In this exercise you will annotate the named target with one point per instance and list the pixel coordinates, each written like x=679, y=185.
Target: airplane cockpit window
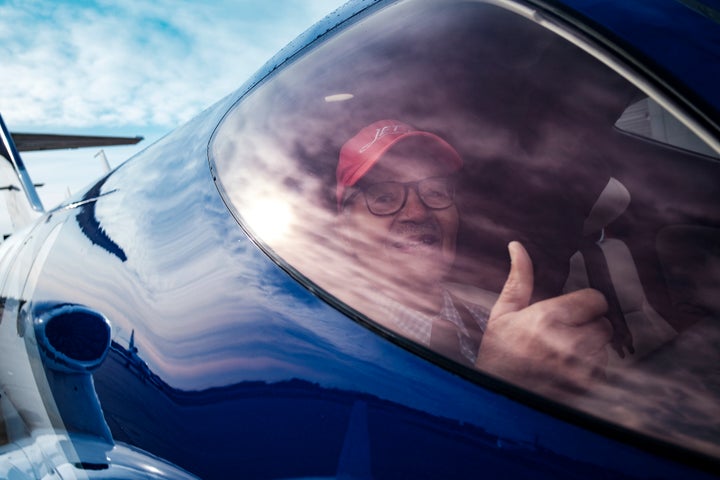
x=646, y=118
x=400, y=165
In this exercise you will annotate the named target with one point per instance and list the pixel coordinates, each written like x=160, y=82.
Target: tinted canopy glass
x=390, y=167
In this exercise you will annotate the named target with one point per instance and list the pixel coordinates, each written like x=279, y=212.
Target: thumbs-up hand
x=552, y=346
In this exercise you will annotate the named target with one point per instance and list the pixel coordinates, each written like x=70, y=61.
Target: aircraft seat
x=607, y=264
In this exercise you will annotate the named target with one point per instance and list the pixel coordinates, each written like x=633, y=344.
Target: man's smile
x=410, y=237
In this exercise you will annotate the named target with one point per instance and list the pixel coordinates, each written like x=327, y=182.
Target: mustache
x=415, y=228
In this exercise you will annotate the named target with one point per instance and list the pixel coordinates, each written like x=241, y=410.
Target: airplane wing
x=27, y=142
x=21, y=200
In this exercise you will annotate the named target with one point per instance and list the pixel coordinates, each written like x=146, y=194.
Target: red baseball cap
x=359, y=154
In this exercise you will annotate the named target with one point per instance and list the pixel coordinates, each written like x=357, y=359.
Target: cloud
x=137, y=63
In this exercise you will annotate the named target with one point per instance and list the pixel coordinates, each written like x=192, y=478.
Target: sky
x=112, y=67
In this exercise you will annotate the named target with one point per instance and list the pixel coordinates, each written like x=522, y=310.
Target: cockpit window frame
x=604, y=49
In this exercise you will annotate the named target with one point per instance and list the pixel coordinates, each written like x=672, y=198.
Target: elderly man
x=395, y=194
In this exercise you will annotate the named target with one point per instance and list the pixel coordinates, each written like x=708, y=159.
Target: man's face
x=416, y=245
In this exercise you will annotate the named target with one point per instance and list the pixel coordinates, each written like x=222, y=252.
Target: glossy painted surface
x=238, y=366
x=223, y=364
x=677, y=39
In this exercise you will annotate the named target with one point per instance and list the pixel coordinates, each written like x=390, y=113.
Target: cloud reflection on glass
x=535, y=129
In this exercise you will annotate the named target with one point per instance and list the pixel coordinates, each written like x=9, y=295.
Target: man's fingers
x=518, y=287
x=582, y=340
x=575, y=308
x=598, y=334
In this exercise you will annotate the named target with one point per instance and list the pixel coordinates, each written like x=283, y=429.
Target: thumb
x=518, y=287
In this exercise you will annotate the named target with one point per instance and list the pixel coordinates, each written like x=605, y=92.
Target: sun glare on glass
x=269, y=218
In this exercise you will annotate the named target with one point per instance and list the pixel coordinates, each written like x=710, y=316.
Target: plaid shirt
x=417, y=326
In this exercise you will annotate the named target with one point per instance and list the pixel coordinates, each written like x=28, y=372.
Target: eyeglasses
x=388, y=198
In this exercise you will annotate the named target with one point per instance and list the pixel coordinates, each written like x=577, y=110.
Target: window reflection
x=615, y=257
